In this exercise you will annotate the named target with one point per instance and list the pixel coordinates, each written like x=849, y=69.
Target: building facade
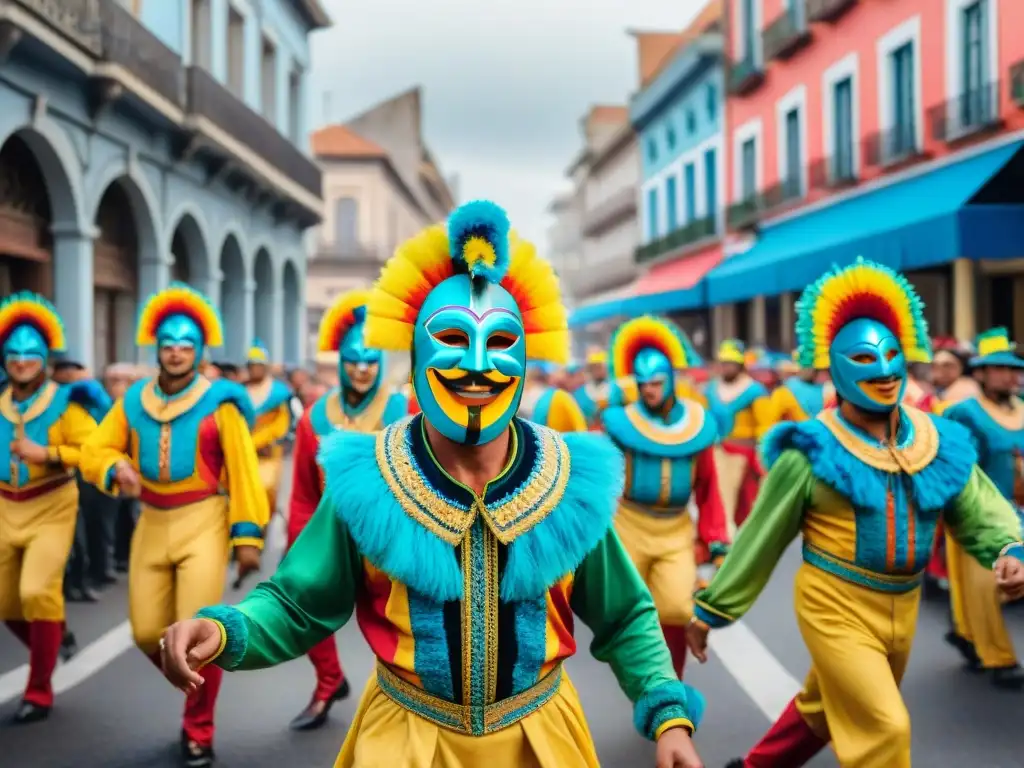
x=381, y=185
x=149, y=140
x=889, y=130
x=565, y=243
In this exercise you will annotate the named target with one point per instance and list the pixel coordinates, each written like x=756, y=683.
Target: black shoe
x=195, y=755
x=30, y=713
x=1008, y=678
x=966, y=648
x=68, y=645
x=121, y=566
x=315, y=714
x=342, y=692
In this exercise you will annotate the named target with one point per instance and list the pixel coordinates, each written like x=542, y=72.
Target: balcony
x=828, y=10
x=745, y=76
x=895, y=146
x=786, y=35
x=973, y=111
x=616, y=209
x=76, y=21
x=743, y=214
x=1016, y=77
x=746, y=213
x=208, y=100
x=139, y=53
x=836, y=172
x=684, y=236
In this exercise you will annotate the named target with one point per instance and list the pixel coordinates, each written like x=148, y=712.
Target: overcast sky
x=504, y=81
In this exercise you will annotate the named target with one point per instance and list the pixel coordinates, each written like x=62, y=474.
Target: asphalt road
x=114, y=711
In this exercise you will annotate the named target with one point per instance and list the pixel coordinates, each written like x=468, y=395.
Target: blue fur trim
x=483, y=219
x=558, y=543
x=90, y=395
x=236, y=626
x=668, y=701
x=620, y=429
x=385, y=535
x=932, y=487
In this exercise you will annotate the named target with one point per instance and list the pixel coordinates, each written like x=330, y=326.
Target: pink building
x=885, y=128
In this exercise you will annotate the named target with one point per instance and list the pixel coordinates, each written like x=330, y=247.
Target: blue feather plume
x=478, y=240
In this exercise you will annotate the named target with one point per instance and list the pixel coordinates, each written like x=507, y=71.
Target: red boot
x=789, y=743
x=44, y=639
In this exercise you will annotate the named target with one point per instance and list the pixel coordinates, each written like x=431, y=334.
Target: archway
x=190, y=259
x=232, y=300
x=292, y=315
x=115, y=277
x=26, y=246
x=265, y=313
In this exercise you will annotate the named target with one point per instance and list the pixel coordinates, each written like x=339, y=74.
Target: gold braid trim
x=889, y=457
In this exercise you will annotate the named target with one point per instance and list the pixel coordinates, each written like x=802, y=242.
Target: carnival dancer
x=741, y=409
x=359, y=404
x=42, y=427
x=463, y=538
x=547, y=405
x=593, y=396
x=995, y=419
x=271, y=400
x=799, y=397
x=865, y=484
x=182, y=445
x=667, y=442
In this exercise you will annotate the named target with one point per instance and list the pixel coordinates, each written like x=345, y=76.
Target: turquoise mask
x=25, y=343
x=868, y=367
x=181, y=331
x=469, y=357
x=354, y=351
x=649, y=366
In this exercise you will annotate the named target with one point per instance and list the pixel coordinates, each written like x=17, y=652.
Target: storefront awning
x=913, y=224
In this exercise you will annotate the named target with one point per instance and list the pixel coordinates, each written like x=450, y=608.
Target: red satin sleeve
x=306, y=483
x=711, y=522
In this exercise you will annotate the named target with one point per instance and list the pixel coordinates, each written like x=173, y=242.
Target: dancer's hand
x=676, y=750
x=247, y=559
x=127, y=480
x=697, y=639
x=1009, y=573
x=184, y=648
x=29, y=452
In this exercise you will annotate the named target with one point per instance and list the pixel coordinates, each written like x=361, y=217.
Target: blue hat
x=995, y=348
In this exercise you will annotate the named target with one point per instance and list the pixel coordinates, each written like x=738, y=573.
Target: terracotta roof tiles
x=339, y=141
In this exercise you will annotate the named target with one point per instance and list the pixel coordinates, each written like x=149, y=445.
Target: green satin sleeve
x=609, y=596
x=310, y=597
x=772, y=525
x=983, y=522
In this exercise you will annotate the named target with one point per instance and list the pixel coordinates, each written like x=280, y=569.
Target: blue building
x=144, y=141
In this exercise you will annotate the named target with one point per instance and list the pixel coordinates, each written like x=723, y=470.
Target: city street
x=114, y=711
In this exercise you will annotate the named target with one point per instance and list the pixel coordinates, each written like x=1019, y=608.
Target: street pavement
x=115, y=711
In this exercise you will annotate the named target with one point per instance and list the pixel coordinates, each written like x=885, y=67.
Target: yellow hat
x=732, y=351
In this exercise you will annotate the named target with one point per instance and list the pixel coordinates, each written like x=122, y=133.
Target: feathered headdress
x=649, y=332
x=179, y=299
x=347, y=311
x=862, y=290
x=31, y=309
x=478, y=242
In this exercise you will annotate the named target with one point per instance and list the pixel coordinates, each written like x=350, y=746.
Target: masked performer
x=995, y=419
x=359, y=404
x=742, y=411
x=667, y=443
x=799, y=397
x=865, y=483
x=182, y=445
x=463, y=538
x=42, y=427
x=592, y=397
x=547, y=405
x=271, y=400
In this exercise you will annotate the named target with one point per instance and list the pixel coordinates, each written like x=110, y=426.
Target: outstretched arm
x=983, y=522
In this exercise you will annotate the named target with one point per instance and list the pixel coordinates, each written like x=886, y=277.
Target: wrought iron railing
x=745, y=75
x=973, y=110
x=1016, y=77
x=786, y=34
x=892, y=146
x=76, y=20
x=689, y=233
x=828, y=10
x=833, y=172
x=128, y=44
x=743, y=213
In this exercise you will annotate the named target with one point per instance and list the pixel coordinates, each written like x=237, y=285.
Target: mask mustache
x=472, y=379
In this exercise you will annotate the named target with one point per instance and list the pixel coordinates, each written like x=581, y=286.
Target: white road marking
x=753, y=666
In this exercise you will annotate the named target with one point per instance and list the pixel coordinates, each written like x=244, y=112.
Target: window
x=201, y=42
x=236, y=53
x=295, y=105
x=670, y=137
x=748, y=166
x=346, y=223
x=690, y=182
x=794, y=163
x=268, y=81
x=671, y=204
x=691, y=122
x=974, y=106
x=710, y=183
x=842, y=130
x=652, y=214
x=904, y=130
x=652, y=151
x=749, y=32
x=712, y=103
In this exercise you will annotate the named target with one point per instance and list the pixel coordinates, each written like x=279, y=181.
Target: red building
x=890, y=129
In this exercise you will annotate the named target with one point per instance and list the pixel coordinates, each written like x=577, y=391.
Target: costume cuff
x=234, y=634
x=246, y=535
x=53, y=454
x=1013, y=549
x=715, y=620
x=666, y=706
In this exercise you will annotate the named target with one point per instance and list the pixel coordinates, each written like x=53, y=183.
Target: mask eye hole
x=498, y=342
x=891, y=355
x=864, y=358
x=452, y=337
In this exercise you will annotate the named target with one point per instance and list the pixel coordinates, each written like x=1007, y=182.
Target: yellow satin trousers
x=270, y=475
x=178, y=564
x=35, y=540
x=661, y=548
x=859, y=640
x=977, y=608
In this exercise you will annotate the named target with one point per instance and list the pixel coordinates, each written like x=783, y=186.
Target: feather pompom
x=478, y=238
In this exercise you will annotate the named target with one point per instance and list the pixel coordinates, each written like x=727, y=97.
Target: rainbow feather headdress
x=477, y=242
x=31, y=309
x=179, y=299
x=347, y=311
x=649, y=332
x=862, y=290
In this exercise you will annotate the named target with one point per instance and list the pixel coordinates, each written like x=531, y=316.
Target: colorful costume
x=466, y=598
x=271, y=401
x=201, y=491
x=343, y=408
x=39, y=502
x=796, y=399
x=593, y=397
x=550, y=406
x=742, y=412
x=867, y=512
x=669, y=461
x=998, y=433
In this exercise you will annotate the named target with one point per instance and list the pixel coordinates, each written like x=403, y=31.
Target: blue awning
x=683, y=300
x=913, y=224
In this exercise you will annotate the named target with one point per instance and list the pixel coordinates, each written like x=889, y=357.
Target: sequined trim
x=161, y=409
x=514, y=514
x=684, y=429
x=460, y=718
x=889, y=458
x=479, y=621
x=880, y=582
x=164, y=456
